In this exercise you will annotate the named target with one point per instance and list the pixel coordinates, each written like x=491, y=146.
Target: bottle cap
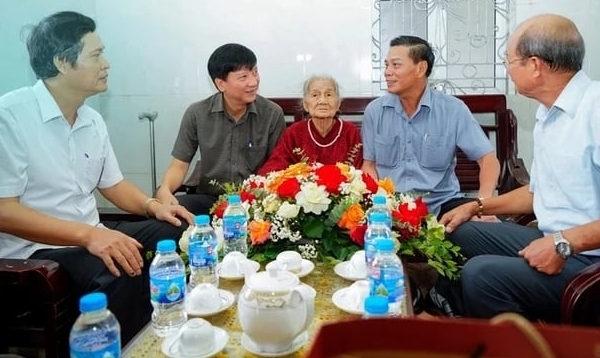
x=376, y=304
x=384, y=245
x=379, y=199
x=167, y=245
x=233, y=199
x=378, y=217
x=202, y=220
x=92, y=302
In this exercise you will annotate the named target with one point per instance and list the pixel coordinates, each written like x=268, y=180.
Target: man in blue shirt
x=412, y=133
x=512, y=268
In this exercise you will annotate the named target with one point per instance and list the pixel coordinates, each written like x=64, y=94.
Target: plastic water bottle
x=376, y=306
x=377, y=229
x=386, y=275
x=235, y=226
x=167, y=289
x=380, y=206
x=96, y=332
x=203, y=257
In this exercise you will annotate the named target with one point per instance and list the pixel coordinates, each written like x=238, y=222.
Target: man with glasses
x=512, y=268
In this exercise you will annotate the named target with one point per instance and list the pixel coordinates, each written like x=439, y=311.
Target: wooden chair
x=38, y=309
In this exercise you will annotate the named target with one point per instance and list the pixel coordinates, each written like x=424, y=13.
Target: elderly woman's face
x=322, y=101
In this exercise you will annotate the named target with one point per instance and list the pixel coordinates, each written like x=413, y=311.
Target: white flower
x=357, y=186
x=184, y=240
x=313, y=198
x=271, y=203
x=288, y=211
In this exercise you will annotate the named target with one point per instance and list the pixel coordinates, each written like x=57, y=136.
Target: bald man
x=513, y=268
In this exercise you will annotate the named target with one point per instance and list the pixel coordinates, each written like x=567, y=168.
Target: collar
x=569, y=99
x=218, y=105
x=49, y=108
x=394, y=101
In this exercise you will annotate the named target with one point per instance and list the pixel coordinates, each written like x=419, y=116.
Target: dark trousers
x=128, y=297
x=197, y=204
x=496, y=279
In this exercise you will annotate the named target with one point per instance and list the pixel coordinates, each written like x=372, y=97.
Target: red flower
x=246, y=196
x=370, y=182
x=357, y=234
x=331, y=177
x=220, y=209
x=410, y=219
x=288, y=188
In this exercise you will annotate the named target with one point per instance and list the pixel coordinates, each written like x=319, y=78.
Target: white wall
x=158, y=51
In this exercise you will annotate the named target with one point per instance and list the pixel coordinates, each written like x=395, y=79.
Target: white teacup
x=357, y=264
x=197, y=337
x=234, y=263
x=356, y=294
x=290, y=260
x=204, y=297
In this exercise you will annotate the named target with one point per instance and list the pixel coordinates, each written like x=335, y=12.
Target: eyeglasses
x=506, y=62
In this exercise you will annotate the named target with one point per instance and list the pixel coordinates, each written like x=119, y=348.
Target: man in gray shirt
x=234, y=129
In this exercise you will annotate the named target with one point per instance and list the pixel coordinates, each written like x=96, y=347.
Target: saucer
x=306, y=267
x=249, y=345
x=340, y=301
x=342, y=270
x=170, y=346
x=227, y=300
x=252, y=265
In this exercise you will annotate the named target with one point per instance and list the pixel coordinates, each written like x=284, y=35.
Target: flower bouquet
x=320, y=211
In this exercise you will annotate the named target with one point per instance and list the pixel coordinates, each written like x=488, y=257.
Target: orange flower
x=259, y=231
x=299, y=169
x=387, y=184
x=352, y=217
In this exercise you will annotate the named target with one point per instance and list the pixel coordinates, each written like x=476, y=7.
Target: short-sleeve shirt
x=49, y=165
x=419, y=153
x=230, y=151
x=565, y=173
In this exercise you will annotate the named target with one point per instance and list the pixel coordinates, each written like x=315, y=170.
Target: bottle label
x=202, y=255
x=93, y=345
x=388, y=282
x=164, y=288
x=234, y=227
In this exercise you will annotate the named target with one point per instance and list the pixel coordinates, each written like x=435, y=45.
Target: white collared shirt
x=565, y=174
x=51, y=166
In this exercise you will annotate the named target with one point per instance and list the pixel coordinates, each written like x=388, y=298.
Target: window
x=468, y=38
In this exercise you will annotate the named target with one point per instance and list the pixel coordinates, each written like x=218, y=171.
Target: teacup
x=204, y=297
x=197, y=337
x=357, y=264
x=234, y=263
x=290, y=260
x=356, y=294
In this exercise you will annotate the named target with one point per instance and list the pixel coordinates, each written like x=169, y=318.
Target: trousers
x=496, y=279
x=128, y=297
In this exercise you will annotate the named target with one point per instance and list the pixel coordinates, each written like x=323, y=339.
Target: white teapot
x=274, y=308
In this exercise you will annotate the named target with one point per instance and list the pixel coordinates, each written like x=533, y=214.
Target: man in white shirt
x=55, y=152
x=512, y=268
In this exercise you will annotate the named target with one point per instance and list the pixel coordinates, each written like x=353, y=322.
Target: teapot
x=274, y=308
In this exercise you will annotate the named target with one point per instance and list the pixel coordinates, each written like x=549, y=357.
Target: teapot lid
x=274, y=279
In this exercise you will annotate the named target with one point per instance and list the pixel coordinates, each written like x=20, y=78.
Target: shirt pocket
x=387, y=151
x=569, y=181
x=436, y=152
x=255, y=157
x=91, y=174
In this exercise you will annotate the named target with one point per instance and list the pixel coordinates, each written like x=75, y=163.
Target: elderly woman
x=323, y=137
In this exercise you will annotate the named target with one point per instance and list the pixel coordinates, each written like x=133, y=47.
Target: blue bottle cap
x=202, y=220
x=234, y=199
x=379, y=199
x=376, y=305
x=378, y=217
x=92, y=302
x=167, y=245
x=384, y=245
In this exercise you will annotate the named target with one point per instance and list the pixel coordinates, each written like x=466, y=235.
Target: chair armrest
x=581, y=295
x=45, y=275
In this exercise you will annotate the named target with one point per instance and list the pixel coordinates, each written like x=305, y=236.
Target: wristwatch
x=562, y=246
